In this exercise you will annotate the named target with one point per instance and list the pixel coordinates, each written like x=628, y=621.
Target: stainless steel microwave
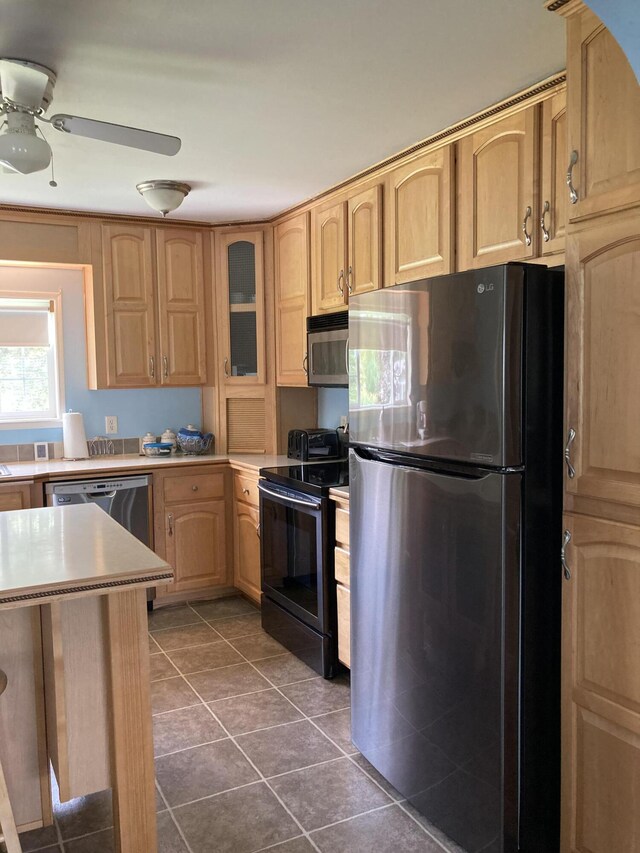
x=328, y=350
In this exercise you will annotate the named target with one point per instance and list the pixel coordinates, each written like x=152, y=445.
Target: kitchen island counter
x=73, y=593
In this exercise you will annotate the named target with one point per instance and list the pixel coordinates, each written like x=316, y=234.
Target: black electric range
x=297, y=541
x=313, y=478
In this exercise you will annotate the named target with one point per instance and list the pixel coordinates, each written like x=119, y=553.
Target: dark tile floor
x=253, y=752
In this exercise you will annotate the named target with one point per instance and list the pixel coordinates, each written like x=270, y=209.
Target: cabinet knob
x=194, y=488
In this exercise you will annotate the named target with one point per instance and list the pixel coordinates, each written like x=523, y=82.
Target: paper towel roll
x=73, y=436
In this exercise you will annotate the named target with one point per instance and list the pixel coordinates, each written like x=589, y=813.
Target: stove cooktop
x=314, y=478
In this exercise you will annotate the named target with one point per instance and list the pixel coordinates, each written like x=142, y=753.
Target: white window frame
x=58, y=359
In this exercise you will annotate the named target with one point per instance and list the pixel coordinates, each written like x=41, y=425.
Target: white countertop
x=70, y=550
x=57, y=468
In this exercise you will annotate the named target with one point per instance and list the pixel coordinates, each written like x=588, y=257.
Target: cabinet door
x=246, y=570
x=343, y=595
x=240, y=279
x=604, y=119
x=603, y=354
x=180, y=261
x=14, y=496
x=553, y=171
x=419, y=218
x=196, y=544
x=328, y=247
x=130, y=300
x=601, y=688
x=497, y=210
x=364, y=241
x=291, y=260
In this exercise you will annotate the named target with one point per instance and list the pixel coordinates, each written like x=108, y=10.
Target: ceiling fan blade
x=24, y=82
x=132, y=137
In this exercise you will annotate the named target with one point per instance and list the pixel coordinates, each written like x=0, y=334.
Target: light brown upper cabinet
x=603, y=354
x=346, y=249
x=419, y=217
x=152, y=307
x=604, y=119
x=497, y=206
x=291, y=262
x=181, y=303
x=240, y=279
x=554, y=154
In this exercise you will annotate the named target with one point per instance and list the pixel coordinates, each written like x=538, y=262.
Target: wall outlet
x=111, y=424
x=344, y=420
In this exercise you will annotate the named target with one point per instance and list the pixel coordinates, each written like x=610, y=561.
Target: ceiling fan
x=26, y=91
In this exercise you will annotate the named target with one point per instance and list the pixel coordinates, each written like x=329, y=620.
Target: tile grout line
x=171, y=814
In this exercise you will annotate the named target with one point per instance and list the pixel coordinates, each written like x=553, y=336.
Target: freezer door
x=435, y=367
x=434, y=643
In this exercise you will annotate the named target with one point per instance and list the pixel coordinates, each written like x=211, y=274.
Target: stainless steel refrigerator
x=455, y=401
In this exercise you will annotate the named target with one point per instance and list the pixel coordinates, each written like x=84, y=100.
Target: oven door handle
x=287, y=499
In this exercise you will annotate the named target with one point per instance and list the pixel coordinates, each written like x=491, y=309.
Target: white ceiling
x=275, y=100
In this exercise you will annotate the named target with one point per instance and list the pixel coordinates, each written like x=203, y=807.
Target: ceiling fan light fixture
x=163, y=196
x=21, y=149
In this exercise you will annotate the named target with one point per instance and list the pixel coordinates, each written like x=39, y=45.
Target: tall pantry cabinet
x=601, y=547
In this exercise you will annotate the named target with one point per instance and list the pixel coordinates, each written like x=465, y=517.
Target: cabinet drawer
x=342, y=527
x=342, y=566
x=344, y=624
x=246, y=489
x=193, y=487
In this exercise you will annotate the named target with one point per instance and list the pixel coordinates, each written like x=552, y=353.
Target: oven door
x=328, y=358
x=293, y=541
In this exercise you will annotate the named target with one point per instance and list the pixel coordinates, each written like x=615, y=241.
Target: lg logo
x=482, y=288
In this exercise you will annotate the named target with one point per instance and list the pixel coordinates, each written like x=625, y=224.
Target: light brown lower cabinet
x=16, y=496
x=343, y=580
x=191, y=527
x=246, y=535
x=601, y=687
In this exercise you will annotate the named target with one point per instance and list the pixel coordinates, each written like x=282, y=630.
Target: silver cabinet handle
x=545, y=232
x=226, y=367
x=194, y=488
x=563, y=556
x=527, y=236
x=571, y=471
x=573, y=195
x=258, y=530
x=165, y=365
x=152, y=367
x=340, y=280
x=305, y=363
x=350, y=279
x=245, y=491
x=170, y=520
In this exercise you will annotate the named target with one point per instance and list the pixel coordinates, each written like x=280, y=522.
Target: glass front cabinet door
x=241, y=281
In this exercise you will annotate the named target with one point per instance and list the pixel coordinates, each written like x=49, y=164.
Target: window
x=30, y=378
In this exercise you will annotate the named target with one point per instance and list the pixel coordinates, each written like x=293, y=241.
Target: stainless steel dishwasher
x=126, y=499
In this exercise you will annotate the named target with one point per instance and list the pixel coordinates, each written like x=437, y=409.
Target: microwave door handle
x=346, y=355
x=278, y=496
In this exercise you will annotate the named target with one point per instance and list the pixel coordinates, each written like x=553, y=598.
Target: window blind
x=24, y=322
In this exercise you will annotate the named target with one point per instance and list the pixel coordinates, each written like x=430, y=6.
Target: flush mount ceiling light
x=163, y=196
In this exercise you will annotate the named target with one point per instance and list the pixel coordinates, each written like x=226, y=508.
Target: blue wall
x=138, y=410
x=332, y=404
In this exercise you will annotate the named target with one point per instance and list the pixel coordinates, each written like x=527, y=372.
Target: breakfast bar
x=73, y=638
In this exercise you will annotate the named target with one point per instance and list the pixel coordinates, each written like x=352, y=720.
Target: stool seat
x=8, y=831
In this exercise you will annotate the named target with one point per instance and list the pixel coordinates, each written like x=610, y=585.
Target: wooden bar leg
x=132, y=767
x=7, y=823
